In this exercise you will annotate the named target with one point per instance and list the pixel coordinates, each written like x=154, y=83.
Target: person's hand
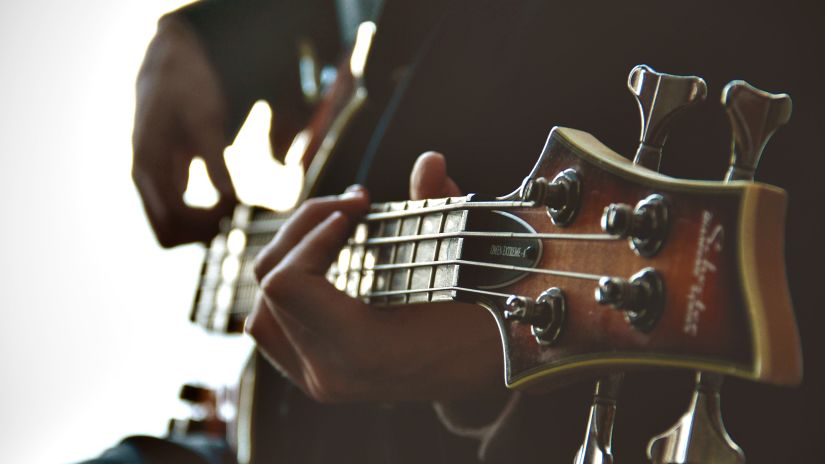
x=179, y=114
x=336, y=348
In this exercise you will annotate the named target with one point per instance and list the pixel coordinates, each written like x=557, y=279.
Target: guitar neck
x=227, y=288
x=388, y=260
x=403, y=252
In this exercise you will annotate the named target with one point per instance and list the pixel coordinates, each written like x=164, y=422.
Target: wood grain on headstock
x=727, y=304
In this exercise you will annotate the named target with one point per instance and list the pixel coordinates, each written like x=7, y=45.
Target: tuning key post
x=645, y=225
x=660, y=97
x=754, y=117
x=561, y=195
x=546, y=314
x=641, y=298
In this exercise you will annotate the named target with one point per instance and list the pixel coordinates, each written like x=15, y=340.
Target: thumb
x=429, y=178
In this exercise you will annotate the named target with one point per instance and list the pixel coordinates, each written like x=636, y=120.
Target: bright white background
x=94, y=332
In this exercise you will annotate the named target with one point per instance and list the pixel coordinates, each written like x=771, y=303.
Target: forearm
x=252, y=45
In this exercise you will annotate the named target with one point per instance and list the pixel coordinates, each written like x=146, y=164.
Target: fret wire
x=380, y=216
x=413, y=246
x=508, y=267
x=381, y=228
x=215, y=308
x=469, y=234
x=394, y=249
x=441, y=221
x=202, y=306
x=363, y=247
x=414, y=251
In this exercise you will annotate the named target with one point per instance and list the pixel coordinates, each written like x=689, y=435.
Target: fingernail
x=247, y=324
x=353, y=191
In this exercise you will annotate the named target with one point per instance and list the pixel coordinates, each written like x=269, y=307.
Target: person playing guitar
x=482, y=82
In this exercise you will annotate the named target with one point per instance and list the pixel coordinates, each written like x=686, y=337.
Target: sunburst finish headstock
x=639, y=269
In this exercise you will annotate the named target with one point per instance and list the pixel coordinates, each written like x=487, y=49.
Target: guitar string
x=378, y=241
x=477, y=234
x=250, y=282
x=389, y=267
x=506, y=267
x=272, y=225
x=478, y=291
x=249, y=303
x=557, y=272
x=399, y=214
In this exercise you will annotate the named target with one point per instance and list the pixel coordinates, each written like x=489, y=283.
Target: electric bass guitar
x=593, y=266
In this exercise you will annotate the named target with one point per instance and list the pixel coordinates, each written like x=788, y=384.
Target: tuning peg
x=596, y=448
x=754, y=116
x=700, y=435
x=546, y=314
x=661, y=97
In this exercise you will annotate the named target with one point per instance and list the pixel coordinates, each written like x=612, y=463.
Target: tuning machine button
x=660, y=97
x=646, y=225
x=597, y=445
x=699, y=435
x=641, y=298
x=546, y=314
x=561, y=196
x=754, y=116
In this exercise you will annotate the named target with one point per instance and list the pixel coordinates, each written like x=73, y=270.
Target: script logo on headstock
x=710, y=238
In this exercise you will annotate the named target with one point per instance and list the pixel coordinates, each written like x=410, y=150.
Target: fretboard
x=403, y=252
x=227, y=287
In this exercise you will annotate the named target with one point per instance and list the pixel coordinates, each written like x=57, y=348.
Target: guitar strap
x=351, y=13
x=386, y=67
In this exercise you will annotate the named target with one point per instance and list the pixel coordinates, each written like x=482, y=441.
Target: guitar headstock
x=636, y=269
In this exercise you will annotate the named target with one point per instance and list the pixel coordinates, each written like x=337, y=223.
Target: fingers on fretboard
x=403, y=258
